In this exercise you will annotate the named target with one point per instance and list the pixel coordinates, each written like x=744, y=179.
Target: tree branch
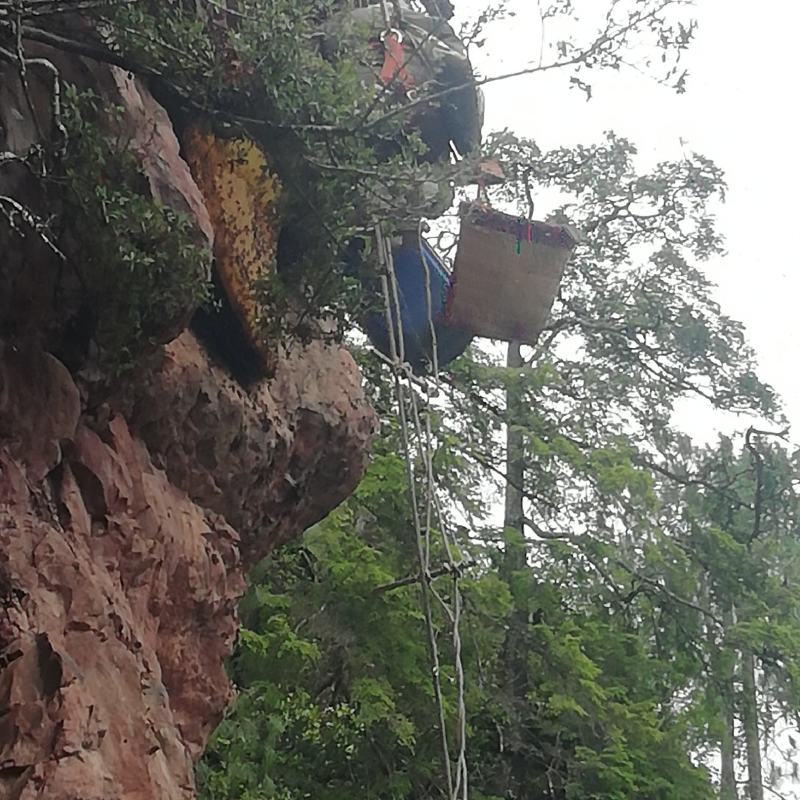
x=446, y=569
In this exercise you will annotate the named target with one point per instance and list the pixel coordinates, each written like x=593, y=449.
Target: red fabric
x=393, y=70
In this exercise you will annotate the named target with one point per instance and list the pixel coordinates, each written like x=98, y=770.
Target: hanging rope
x=429, y=300
x=420, y=423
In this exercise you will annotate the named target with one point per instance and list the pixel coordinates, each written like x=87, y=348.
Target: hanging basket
x=506, y=274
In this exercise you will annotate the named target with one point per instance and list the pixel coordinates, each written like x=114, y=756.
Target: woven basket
x=506, y=274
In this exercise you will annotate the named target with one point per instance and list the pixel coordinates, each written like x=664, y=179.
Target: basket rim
x=482, y=216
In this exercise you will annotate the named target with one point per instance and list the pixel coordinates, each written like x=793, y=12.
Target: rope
x=425, y=581
x=457, y=787
x=404, y=381
x=455, y=614
x=429, y=301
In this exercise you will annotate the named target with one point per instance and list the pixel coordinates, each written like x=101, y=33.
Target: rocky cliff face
x=129, y=516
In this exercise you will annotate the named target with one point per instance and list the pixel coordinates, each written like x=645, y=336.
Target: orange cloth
x=394, y=70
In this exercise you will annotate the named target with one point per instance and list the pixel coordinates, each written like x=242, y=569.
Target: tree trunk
x=750, y=725
x=515, y=688
x=515, y=551
x=727, y=789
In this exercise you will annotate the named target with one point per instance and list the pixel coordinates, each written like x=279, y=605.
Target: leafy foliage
x=140, y=259
x=597, y=667
x=335, y=675
x=604, y=663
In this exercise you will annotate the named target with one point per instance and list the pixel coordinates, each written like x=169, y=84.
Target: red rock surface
x=126, y=528
x=124, y=542
x=252, y=458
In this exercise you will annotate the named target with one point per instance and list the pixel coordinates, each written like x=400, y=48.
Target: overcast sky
x=740, y=109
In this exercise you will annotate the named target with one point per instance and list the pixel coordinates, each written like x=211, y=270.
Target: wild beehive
x=242, y=194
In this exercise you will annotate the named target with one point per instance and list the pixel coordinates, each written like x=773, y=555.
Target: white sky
x=740, y=109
